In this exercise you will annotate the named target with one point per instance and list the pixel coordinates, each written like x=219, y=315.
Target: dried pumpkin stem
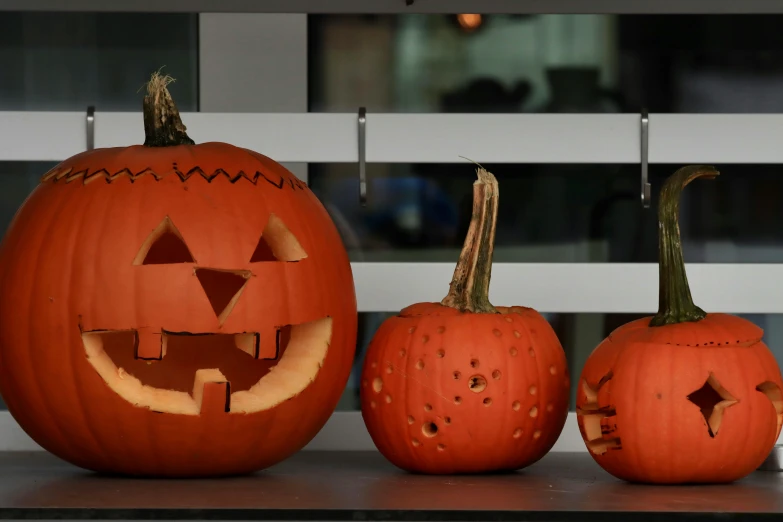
x=162, y=125
x=470, y=284
x=675, y=304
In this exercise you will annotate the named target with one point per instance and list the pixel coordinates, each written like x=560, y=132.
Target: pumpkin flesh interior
x=190, y=362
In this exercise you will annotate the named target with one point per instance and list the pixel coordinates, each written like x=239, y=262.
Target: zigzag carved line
x=86, y=176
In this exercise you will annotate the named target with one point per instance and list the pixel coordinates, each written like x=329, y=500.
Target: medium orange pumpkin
x=463, y=386
x=173, y=309
x=684, y=396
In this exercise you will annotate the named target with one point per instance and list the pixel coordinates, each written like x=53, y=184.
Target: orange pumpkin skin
x=424, y=415
x=462, y=386
x=66, y=266
x=683, y=396
x=640, y=425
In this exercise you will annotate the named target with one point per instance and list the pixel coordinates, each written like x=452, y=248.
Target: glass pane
x=578, y=333
x=546, y=63
x=553, y=213
x=68, y=61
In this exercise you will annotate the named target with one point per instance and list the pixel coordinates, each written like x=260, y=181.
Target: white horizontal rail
x=401, y=6
x=422, y=138
x=576, y=287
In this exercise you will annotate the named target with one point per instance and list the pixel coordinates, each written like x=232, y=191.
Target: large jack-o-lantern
x=684, y=396
x=173, y=309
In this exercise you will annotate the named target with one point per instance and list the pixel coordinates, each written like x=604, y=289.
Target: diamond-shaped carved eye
x=164, y=245
x=277, y=243
x=712, y=399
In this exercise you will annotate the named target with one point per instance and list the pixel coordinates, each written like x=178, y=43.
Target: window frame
x=243, y=113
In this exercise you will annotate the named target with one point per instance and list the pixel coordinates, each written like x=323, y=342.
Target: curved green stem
x=675, y=304
x=162, y=124
x=469, y=289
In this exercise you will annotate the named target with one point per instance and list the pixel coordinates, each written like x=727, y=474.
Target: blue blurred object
x=402, y=211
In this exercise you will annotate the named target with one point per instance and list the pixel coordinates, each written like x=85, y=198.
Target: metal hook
x=90, y=128
x=645, y=149
x=362, y=121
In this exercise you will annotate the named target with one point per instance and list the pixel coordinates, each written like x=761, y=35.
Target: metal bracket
x=645, y=150
x=90, y=127
x=362, y=128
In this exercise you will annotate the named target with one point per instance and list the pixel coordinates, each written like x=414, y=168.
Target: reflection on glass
x=546, y=63
x=67, y=61
x=553, y=213
x=551, y=64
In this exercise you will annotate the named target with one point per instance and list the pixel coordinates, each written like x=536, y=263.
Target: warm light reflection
x=469, y=21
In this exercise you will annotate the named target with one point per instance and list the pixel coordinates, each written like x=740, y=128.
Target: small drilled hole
x=415, y=442
x=513, y=351
x=403, y=352
x=389, y=370
x=447, y=420
x=509, y=320
x=429, y=429
x=517, y=433
x=487, y=401
x=534, y=411
x=457, y=400
x=411, y=329
x=536, y=434
x=425, y=339
x=441, y=447
x=441, y=329
x=552, y=369
x=411, y=420
x=497, y=332
x=496, y=375
x=387, y=399
x=372, y=404
x=477, y=383
x=549, y=407
x=474, y=363
x=533, y=390
x=531, y=352
x=517, y=334
x=428, y=407
x=419, y=364
x=516, y=405
x=440, y=354
x=457, y=375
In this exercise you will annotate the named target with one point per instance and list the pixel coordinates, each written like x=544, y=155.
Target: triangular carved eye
x=164, y=246
x=277, y=243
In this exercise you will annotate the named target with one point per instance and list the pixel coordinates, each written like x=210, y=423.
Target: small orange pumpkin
x=463, y=386
x=684, y=396
x=173, y=309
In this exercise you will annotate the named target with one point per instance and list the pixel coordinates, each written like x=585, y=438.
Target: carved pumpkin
x=173, y=309
x=463, y=386
x=684, y=396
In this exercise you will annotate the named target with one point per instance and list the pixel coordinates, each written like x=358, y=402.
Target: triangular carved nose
x=223, y=288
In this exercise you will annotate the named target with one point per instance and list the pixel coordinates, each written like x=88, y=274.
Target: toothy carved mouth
x=191, y=374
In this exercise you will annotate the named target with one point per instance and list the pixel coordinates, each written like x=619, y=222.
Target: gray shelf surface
x=314, y=485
